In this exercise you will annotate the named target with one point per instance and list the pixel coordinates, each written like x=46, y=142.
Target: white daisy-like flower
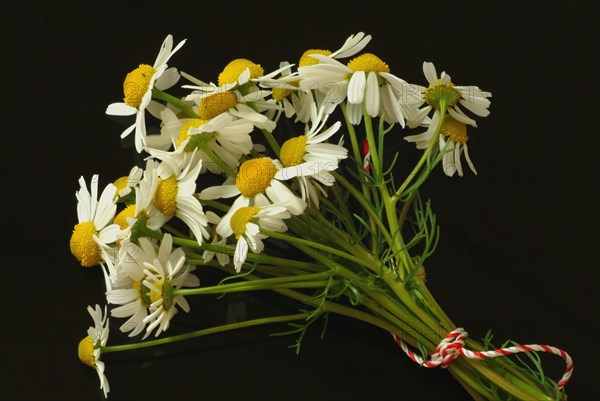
x=366, y=83
x=241, y=71
x=211, y=101
x=454, y=139
x=217, y=241
x=166, y=273
x=126, y=184
x=225, y=136
x=290, y=99
x=310, y=159
x=353, y=45
x=128, y=289
x=246, y=223
x=256, y=183
x=471, y=97
x=90, y=348
x=138, y=87
x=175, y=190
x=143, y=208
x=92, y=236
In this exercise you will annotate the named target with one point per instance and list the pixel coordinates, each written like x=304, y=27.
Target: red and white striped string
x=453, y=345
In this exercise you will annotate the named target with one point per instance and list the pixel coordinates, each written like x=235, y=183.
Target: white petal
x=372, y=95
x=356, y=87
x=430, y=73
x=120, y=109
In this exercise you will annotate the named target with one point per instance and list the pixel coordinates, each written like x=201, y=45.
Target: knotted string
x=453, y=345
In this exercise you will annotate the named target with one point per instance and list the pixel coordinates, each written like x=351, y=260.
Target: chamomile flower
x=246, y=223
x=215, y=101
x=353, y=45
x=241, y=71
x=90, y=348
x=310, y=159
x=92, y=236
x=454, y=139
x=175, y=190
x=225, y=136
x=126, y=184
x=166, y=273
x=128, y=289
x=143, y=211
x=471, y=97
x=138, y=87
x=367, y=84
x=256, y=180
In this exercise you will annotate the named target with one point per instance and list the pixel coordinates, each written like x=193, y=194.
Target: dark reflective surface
x=517, y=249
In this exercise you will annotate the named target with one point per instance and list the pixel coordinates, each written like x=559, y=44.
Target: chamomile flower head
x=128, y=289
x=174, y=193
x=211, y=101
x=225, y=137
x=164, y=274
x=143, y=212
x=257, y=182
x=90, y=348
x=367, y=85
x=442, y=88
x=309, y=158
x=353, y=45
x=245, y=225
x=454, y=139
x=126, y=184
x=92, y=236
x=138, y=86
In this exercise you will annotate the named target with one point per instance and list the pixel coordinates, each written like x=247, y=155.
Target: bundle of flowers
x=306, y=205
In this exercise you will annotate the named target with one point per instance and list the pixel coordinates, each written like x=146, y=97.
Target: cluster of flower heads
x=211, y=130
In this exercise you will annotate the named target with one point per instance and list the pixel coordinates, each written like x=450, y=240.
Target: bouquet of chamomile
x=280, y=182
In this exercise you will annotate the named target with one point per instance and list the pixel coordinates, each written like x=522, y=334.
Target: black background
x=518, y=252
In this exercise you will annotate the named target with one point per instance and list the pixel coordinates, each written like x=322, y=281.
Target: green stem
x=361, y=172
x=189, y=112
x=366, y=206
x=214, y=204
x=315, y=246
x=272, y=142
x=424, y=157
x=204, y=332
x=311, y=280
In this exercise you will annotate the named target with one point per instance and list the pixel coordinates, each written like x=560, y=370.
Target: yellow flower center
x=240, y=218
x=165, y=197
x=281, y=93
x=307, y=60
x=121, y=217
x=292, y=151
x=216, y=104
x=136, y=84
x=255, y=176
x=86, y=352
x=232, y=71
x=438, y=91
x=121, y=183
x=162, y=290
x=369, y=63
x=183, y=132
x=156, y=291
x=83, y=246
x=455, y=130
